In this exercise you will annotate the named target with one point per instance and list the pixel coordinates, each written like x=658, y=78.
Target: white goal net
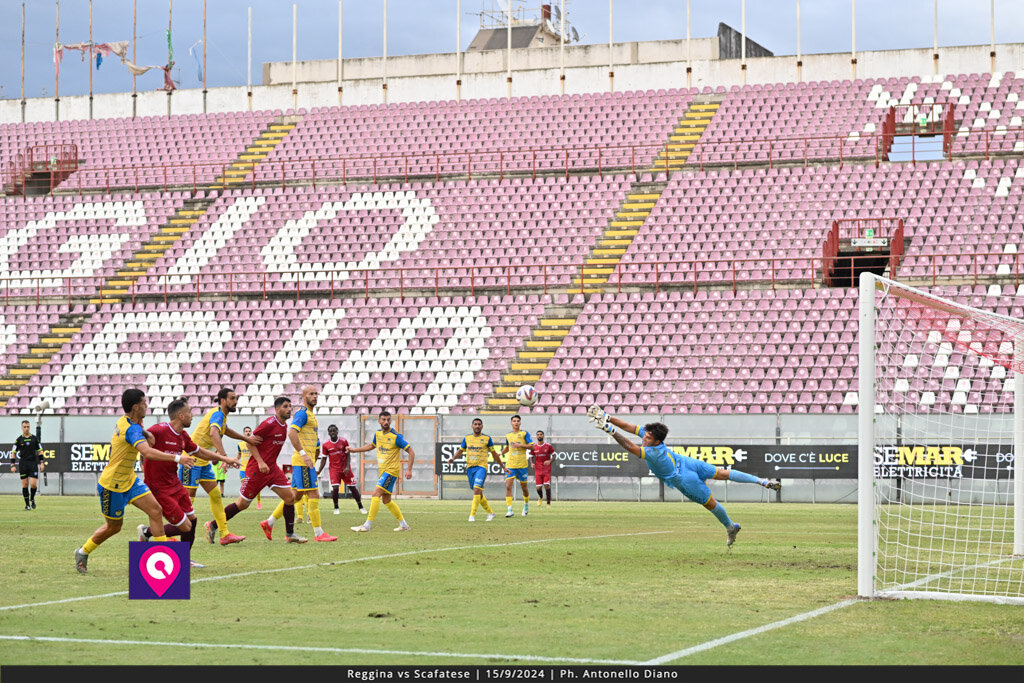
x=941, y=512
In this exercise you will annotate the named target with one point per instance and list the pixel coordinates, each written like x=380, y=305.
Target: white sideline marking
x=664, y=659
x=329, y=650
x=7, y=608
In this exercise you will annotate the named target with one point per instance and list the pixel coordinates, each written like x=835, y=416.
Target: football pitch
x=574, y=583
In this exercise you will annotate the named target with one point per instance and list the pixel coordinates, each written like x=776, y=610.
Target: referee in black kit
x=29, y=452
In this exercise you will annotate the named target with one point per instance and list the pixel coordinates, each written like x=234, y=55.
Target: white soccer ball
x=527, y=395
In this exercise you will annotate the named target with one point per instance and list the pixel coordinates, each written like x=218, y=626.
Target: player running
x=542, y=455
x=303, y=435
x=389, y=445
x=335, y=451
x=477, y=446
x=679, y=471
x=118, y=484
x=208, y=434
x=162, y=476
x=517, y=465
x=262, y=472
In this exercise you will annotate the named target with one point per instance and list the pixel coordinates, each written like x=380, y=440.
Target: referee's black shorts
x=29, y=471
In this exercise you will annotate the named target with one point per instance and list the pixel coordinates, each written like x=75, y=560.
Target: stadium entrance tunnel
x=850, y=263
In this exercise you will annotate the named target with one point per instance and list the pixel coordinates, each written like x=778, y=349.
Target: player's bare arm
x=293, y=438
x=408, y=467
x=254, y=452
x=630, y=446
x=147, y=451
x=458, y=454
x=362, y=449
x=497, y=459
x=229, y=460
x=252, y=439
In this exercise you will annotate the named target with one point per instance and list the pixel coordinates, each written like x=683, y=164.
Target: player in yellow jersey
x=517, y=445
x=477, y=446
x=244, y=454
x=208, y=434
x=303, y=434
x=389, y=445
x=118, y=484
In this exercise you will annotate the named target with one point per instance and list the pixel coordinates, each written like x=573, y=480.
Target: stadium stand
x=686, y=253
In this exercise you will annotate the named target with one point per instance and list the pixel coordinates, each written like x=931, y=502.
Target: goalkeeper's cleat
x=228, y=539
x=509, y=512
x=142, y=532
x=472, y=518
x=211, y=531
x=772, y=484
x=267, y=529
x=294, y=538
x=731, y=533
x=81, y=561
x=402, y=526
x=365, y=526
x=491, y=516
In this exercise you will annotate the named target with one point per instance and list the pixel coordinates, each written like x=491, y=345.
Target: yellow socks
x=374, y=508
x=486, y=506
x=217, y=508
x=393, y=507
x=89, y=546
x=314, y=511
x=508, y=501
x=476, y=504
x=278, y=512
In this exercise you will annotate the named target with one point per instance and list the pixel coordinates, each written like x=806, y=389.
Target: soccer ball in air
x=527, y=395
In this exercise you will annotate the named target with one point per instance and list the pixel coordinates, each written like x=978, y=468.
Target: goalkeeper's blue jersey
x=663, y=463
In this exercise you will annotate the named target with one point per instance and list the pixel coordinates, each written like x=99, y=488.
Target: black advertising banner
x=50, y=456
x=804, y=461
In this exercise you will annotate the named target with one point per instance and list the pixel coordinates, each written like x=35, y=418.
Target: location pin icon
x=159, y=568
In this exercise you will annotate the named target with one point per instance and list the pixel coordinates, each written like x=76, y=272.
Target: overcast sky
x=428, y=26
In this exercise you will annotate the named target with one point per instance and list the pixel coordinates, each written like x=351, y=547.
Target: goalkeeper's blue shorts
x=690, y=477
x=476, y=476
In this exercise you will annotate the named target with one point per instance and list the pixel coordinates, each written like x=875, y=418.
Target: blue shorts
x=196, y=475
x=387, y=482
x=690, y=477
x=476, y=476
x=304, y=478
x=113, y=503
x=520, y=473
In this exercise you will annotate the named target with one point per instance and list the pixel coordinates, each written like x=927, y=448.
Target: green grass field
x=575, y=582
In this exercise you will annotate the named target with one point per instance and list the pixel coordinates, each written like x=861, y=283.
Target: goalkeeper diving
x=678, y=471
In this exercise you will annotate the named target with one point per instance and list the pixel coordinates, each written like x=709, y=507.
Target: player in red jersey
x=162, y=477
x=543, y=453
x=335, y=451
x=264, y=472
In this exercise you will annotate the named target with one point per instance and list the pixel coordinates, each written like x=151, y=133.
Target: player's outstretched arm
x=620, y=438
x=217, y=457
x=147, y=451
x=361, y=449
x=252, y=439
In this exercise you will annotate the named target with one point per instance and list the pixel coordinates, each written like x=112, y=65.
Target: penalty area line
x=327, y=650
x=703, y=647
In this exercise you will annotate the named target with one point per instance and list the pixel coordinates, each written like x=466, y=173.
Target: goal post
x=940, y=419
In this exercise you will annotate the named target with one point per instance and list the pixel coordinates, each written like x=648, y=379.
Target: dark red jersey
x=336, y=453
x=274, y=433
x=161, y=474
x=542, y=454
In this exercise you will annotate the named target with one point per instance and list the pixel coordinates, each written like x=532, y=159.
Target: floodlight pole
x=458, y=50
x=384, y=64
x=743, y=41
x=56, y=70
x=248, y=80
x=853, y=38
x=90, y=59
x=204, y=56
x=561, y=49
x=992, y=39
x=341, y=64
x=23, y=62
x=935, y=41
x=135, y=54
x=689, y=50
x=799, y=54
x=611, y=65
x=508, y=33
x=295, y=55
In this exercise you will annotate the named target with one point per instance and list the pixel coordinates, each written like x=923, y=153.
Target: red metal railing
x=59, y=160
x=533, y=161
x=506, y=279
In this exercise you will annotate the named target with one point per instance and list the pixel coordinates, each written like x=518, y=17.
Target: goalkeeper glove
x=595, y=413
x=605, y=426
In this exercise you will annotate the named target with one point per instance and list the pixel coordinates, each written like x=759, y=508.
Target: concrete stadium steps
x=533, y=357
x=613, y=244
x=685, y=137
x=256, y=152
x=40, y=353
